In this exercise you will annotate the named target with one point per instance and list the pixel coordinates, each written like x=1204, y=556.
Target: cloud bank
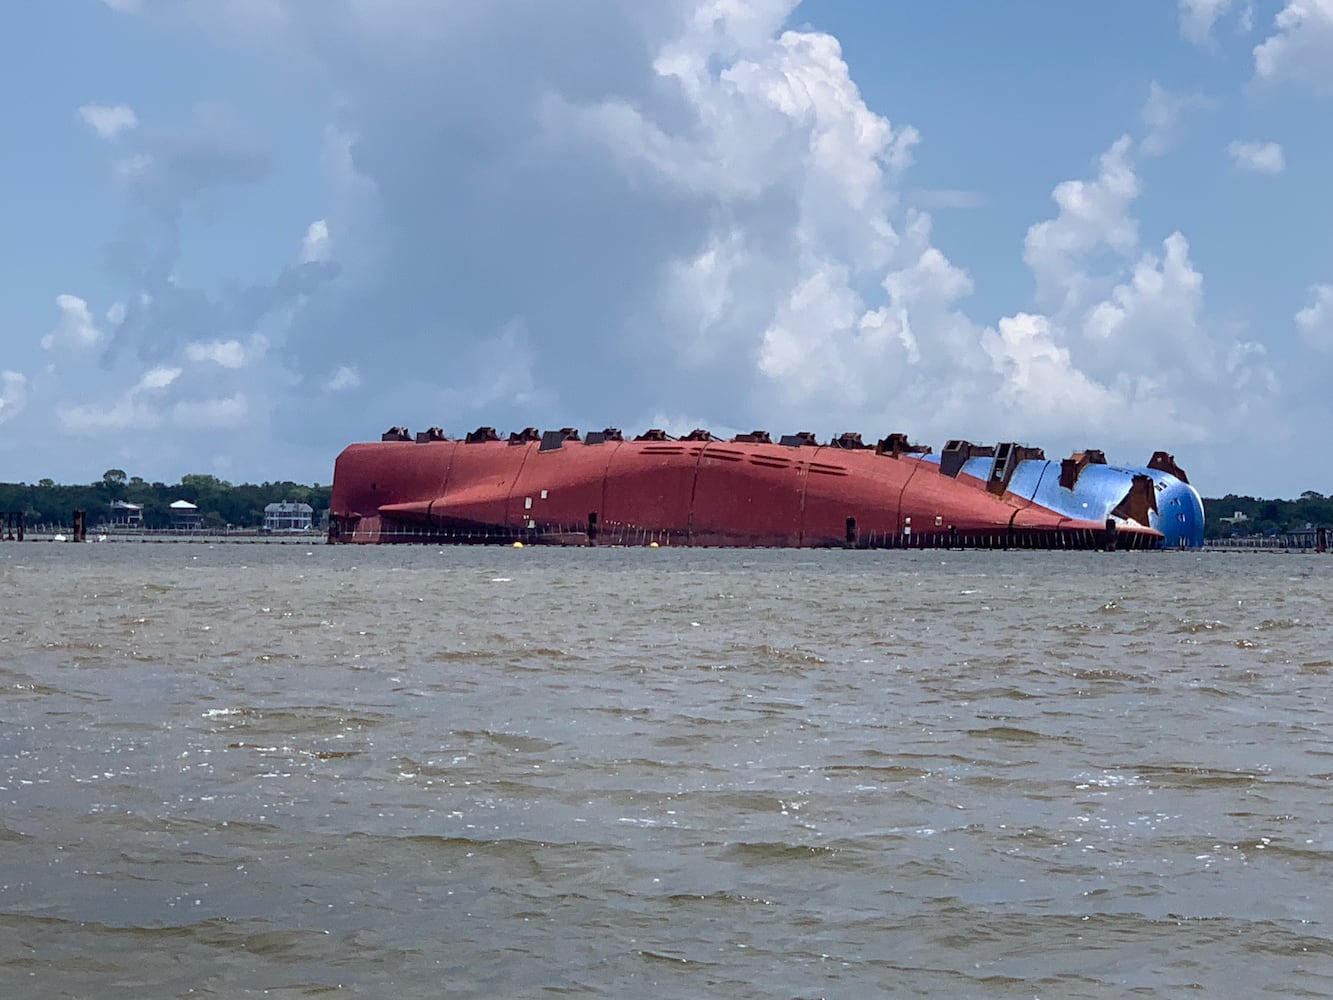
x=608, y=213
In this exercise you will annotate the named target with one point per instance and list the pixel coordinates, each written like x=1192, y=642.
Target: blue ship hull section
x=1098, y=491
x=1179, y=513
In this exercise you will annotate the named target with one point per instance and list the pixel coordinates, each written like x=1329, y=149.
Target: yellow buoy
x=652, y=545
x=518, y=545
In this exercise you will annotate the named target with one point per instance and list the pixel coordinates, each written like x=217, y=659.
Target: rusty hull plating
x=557, y=488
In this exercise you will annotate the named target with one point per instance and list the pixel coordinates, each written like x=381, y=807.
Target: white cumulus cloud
x=1092, y=215
x=1197, y=18
x=315, y=245
x=1300, y=50
x=157, y=378
x=211, y=414
x=227, y=353
x=126, y=413
x=1127, y=330
x=76, y=330
x=1156, y=316
x=1257, y=157
x=342, y=377
x=13, y=394
x=138, y=408
x=1161, y=115
x=109, y=120
x=1315, y=321
x=1039, y=375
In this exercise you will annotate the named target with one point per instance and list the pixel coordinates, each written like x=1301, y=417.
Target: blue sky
x=238, y=236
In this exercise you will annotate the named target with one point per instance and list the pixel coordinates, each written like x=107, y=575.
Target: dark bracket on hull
x=956, y=454
x=1007, y=457
x=897, y=444
x=1162, y=462
x=1072, y=467
x=849, y=440
x=1139, y=502
x=553, y=440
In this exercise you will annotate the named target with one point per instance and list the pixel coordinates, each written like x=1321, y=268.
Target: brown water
x=295, y=770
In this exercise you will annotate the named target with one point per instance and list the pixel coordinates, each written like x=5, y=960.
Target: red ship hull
x=686, y=492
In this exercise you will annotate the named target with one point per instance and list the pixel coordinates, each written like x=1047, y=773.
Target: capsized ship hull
x=559, y=488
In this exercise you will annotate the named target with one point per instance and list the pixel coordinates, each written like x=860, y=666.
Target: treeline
x=220, y=503
x=1265, y=517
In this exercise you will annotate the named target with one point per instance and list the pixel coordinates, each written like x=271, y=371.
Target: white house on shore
x=126, y=515
x=184, y=516
x=288, y=517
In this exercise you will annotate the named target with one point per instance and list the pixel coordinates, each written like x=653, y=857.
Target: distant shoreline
x=187, y=538
x=1263, y=546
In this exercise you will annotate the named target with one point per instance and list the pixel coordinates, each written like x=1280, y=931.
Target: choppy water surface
x=287, y=770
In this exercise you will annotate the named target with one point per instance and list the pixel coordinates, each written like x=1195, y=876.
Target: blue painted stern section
x=1098, y=490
